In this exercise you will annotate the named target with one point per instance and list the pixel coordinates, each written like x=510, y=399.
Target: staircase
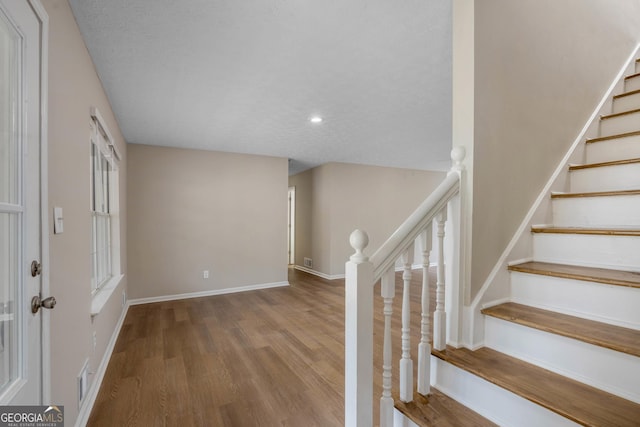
x=562, y=350
x=565, y=350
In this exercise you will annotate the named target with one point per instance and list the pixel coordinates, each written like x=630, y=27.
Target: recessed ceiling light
x=315, y=119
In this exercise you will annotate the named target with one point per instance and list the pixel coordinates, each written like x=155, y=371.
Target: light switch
x=58, y=224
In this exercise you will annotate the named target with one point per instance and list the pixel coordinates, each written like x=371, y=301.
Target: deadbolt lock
x=36, y=268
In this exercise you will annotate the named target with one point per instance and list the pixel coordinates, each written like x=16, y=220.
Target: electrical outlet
x=308, y=262
x=124, y=298
x=205, y=274
x=94, y=338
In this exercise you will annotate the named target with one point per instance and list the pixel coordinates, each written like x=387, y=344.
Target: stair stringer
x=497, y=287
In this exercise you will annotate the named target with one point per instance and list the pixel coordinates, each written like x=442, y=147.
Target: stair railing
x=362, y=272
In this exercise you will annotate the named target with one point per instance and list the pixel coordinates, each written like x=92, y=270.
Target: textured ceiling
x=245, y=76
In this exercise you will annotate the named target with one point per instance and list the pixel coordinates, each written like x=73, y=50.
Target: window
x=105, y=230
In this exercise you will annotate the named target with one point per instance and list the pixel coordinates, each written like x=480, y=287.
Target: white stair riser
x=626, y=103
x=605, y=178
x=612, y=371
x=615, y=305
x=492, y=402
x=597, y=212
x=637, y=66
x=620, y=124
x=632, y=84
x=616, y=252
x=401, y=420
x=614, y=149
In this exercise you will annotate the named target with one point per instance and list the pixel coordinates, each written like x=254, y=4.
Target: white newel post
x=440, y=317
x=424, y=348
x=358, y=337
x=388, y=292
x=406, y=364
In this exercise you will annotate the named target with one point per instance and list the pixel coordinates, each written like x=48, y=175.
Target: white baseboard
x=319, y=273
x=341, y=276
x=519, y=261
x=209, y=293
x=89, y=401
x=496, y=302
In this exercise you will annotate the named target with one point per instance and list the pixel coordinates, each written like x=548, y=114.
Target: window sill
x=100, y=298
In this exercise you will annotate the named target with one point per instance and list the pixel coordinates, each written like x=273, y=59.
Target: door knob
x=36, y=303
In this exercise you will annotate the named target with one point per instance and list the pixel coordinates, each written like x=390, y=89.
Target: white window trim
x=102, y=294
x=100, y=298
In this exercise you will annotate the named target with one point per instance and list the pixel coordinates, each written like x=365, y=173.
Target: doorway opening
x=291, y=226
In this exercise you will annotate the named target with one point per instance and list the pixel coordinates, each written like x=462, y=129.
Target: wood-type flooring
x=271, y=357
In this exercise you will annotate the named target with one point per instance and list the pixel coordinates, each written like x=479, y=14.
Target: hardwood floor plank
x=178, y=393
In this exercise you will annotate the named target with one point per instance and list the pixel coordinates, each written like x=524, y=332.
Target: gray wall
x=347, y=196
x=73, y=88
x=541, y=67
x=192, y=210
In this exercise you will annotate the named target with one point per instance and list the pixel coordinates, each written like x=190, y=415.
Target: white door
x=20, y=214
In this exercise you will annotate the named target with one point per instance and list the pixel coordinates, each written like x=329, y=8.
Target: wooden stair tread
x=632, y=76
x=590, y=274
x=602, y=164
x=439, y=410
x=617, y=338
x=622, y=95
x=596, y=194
x=576, y=401
x=623, y=113
x=610, y=137
x=593, y=231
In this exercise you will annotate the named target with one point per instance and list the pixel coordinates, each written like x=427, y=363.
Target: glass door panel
x=11, y=209
x=9, y=261
x=9, y=126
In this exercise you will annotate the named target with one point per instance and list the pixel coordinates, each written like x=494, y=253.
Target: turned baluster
x=424, y=348
x=406, y=364
x=439, y=317
x=388, y=292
